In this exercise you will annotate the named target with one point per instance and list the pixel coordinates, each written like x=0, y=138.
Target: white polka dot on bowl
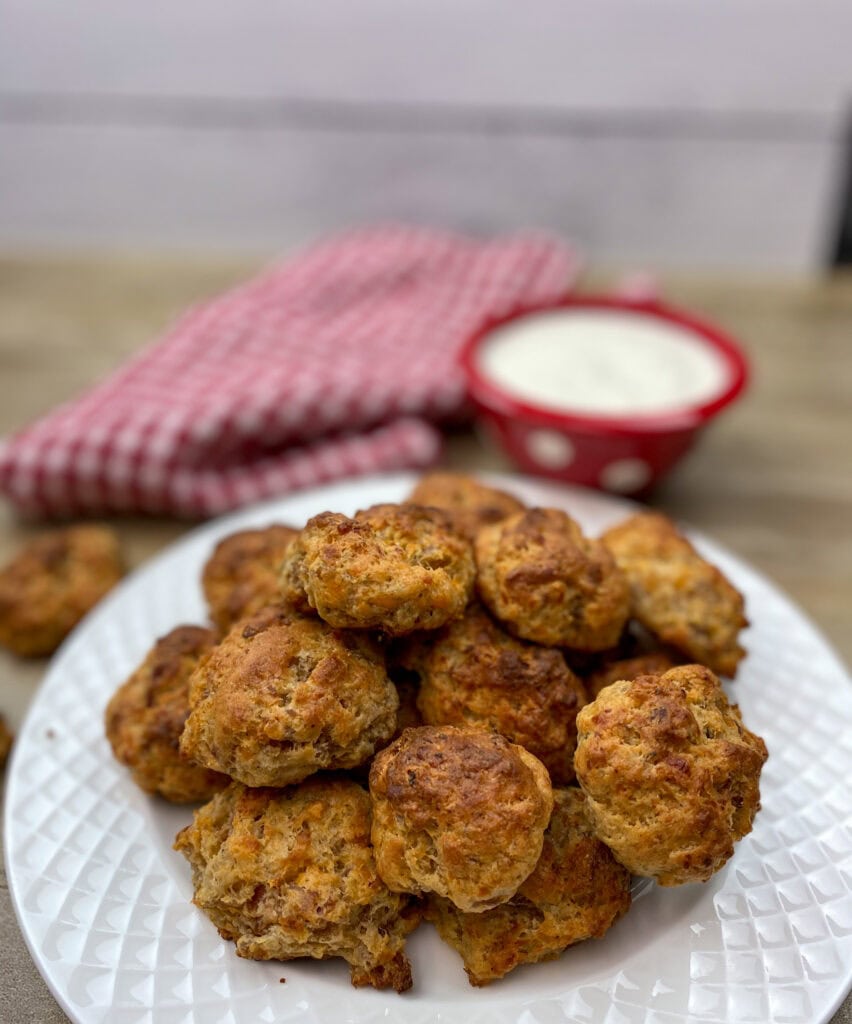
x=625, y=475
x=550, y=449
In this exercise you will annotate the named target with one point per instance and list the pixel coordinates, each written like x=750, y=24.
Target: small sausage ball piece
x=577, y=891
x=241, y=576
x=290, y=873
x=676, y=594
x=460, y=812
x=474, y=673
x=671, y=773
x=52, y=583
x=397, y=568
x=548, y=583
x=471, y=504
x=283, y=696
x=145, y=719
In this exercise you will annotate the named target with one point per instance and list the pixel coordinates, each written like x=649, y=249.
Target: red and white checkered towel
x=327, y=366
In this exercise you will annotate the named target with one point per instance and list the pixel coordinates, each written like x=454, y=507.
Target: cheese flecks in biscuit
x=283, y=696
x=576, y=892
x=671, y=773
x=547, y=583
x=391, y=567
x=460, y=812
x=290, y=873
x=146, y=715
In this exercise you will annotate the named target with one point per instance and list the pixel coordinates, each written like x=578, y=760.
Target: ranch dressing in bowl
x=602, y=362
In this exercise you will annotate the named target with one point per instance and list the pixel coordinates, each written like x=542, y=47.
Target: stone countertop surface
x=772, y=480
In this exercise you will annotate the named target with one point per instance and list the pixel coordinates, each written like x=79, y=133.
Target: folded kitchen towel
x=335, y=363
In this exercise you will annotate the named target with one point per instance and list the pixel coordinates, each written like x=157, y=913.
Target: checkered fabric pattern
x=335, y=363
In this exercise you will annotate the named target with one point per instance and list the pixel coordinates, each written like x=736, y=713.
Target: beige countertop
x=772, y=480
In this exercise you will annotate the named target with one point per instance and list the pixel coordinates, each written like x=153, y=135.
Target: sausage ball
x=671, y=773
x=397, y=568
x=548, y=583
x=471, y=504
x=283, y=696
x=460, y=812
x=52, y=583
x=145, y=719
x=654, y=663
x=577, y=891
x=474, y=673
x=678, y=595
x=241, y=576
x=290, y=873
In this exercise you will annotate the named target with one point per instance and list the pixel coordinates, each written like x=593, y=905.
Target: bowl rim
x=491, y=396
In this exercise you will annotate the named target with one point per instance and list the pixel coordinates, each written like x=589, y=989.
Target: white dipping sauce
x=602, y=362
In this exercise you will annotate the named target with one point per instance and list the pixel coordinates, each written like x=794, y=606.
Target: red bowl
x=625, y=453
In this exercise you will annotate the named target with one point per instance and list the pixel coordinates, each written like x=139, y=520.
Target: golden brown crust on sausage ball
x=546, y=582
x=671, y=773
x=470, y=503
x=241, y=576
x=146, y=715
x=52, y=583
x=290, y=873
x=677, y=594
x=283, y=696
x=460, y=812
x=397, y=568
x=576, y=892
x=654, y=663
x=474, y=673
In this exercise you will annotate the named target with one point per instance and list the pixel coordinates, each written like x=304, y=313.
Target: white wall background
x=692, y=133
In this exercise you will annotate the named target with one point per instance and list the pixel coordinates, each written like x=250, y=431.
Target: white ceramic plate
x=104, y=901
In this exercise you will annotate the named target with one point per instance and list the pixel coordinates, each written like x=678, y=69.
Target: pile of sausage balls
x=456, y=709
